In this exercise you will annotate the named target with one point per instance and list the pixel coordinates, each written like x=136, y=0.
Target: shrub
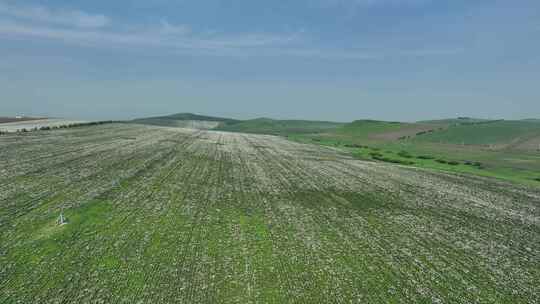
x=537, y=179
x=380, y=157
x=404, y=154
x=441, y=161
x=453, y=163
x=476, y=164
x=426, y=132
x=375, y=154
x=398, y=161
x=425, y=157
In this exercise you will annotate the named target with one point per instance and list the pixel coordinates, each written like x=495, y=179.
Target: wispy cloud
x=182, y=41
x=172, y=29
x=82, y=29
x=388, y=2
x=164, y=37
x=370, y=3
x=73, y=18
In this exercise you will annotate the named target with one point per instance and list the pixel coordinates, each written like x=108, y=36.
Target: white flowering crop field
x=163, y=215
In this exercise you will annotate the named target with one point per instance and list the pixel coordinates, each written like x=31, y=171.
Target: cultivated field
x=14, y=126
x=164, y=215
x=15, y=119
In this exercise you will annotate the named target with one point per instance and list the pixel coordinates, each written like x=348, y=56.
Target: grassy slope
x=513, y=165
x=454, y=121
x=365, y=129
x=445, y=143
x=259, y=125
x=182, y=120
x=374, y=131
x=280, y=127
x=492, y=133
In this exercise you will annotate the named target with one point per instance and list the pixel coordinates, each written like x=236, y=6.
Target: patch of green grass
x=365, y=128
x=88, y=216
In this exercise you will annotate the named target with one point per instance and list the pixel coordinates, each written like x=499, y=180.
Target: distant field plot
x=165, y=215
x=14, y=119
x=15, y=126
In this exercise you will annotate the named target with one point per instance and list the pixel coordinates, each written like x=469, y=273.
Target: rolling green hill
x=497, y=134
x=258, y=125
x=487, y=133
x=369, y=128
x=501, y=148
x=186, y=120
x=280, y=127
x=455, y=121
x=374, y=130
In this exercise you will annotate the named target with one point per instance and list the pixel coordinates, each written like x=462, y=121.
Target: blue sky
x=314, y=59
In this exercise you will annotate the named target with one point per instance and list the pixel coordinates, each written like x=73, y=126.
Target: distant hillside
x=497, y=134
x=455, y=121
x=191, y=116
x=504, y=133
x=383, y=130
x=373, y=131
x=259, y=125
x=186, y=120
x=4, y=119
x=280, y=127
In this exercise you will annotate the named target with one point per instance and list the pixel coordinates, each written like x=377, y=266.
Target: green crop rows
x=160, y=215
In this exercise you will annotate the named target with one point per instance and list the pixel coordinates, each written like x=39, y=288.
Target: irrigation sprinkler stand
x=62, y=220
